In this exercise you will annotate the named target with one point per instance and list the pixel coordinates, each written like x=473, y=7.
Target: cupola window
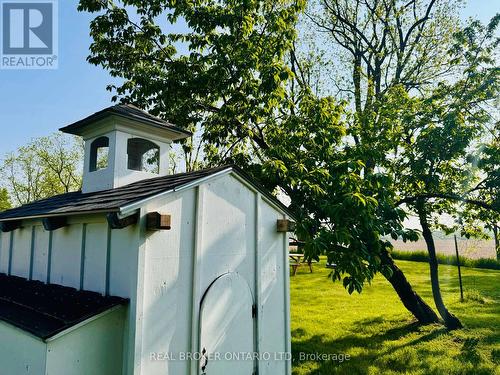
x=143, y=155
x=99, y=152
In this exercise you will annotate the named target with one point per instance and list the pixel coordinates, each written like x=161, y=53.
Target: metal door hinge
x=254, y=311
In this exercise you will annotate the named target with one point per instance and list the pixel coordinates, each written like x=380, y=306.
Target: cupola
x=124, y=144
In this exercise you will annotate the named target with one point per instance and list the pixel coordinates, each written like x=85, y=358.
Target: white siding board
x=20, y=353
x=167, y=282
x=236, y=232
x=21, y=252
x=94, y=275
x=124, y=281
x=4, y=252
x=66, y=256
x=228, y=231
x=272, y=311
x=94, y=348
x=124, y=247
x=40, y=253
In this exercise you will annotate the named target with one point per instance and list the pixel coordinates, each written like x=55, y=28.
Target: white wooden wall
x=168, y=285
x=94, y=348
x=221, y=226
x=85, y=255
x=91, y=348
x=218, y=227
x=20, y=353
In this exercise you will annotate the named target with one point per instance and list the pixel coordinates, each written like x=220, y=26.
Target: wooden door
x=227, y=327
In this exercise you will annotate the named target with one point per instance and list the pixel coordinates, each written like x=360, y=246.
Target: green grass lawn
x=381, y=337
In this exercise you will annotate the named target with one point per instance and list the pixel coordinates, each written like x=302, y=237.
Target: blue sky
x=35, y=103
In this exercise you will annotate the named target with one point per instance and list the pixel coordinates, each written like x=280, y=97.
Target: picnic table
x=297, y=260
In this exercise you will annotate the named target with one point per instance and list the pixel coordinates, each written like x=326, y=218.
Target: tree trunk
x=450, y=320
x=497, y=241
x=411, y=300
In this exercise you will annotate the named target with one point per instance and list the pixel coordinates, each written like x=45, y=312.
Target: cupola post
x=124, y=144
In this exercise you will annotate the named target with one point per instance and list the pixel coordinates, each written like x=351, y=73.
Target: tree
x=434, y=166
x=385, y=47
x=488, y=189
x=242, y=85
x=4, y=200
x=341, y=213
x=417, y=86
x=45, y=167
x=227, y=82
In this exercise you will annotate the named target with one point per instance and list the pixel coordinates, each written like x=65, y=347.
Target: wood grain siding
x=195, y=274
x=258, y=273
x=21, y=250
x=94, y=262
x=32, y=251
x=40, y=253
x=66, y=256
x=168, y=284
x=82, y=255
x=11, y=249
x=286, y=292
x=273, y=294
x=4, y=252
x=108, y=261
x=124, y=245
x=49, y=257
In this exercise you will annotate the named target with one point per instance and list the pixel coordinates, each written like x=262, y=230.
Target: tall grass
x=423, y=256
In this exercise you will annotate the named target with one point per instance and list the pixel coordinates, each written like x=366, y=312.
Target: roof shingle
x=107, y=200
x=128, y=111
x=47, y=309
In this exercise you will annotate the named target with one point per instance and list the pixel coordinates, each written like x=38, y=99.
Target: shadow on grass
x=386, y=344
x=397, y=349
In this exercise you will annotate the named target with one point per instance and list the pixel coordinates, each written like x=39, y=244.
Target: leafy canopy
x=45, y=167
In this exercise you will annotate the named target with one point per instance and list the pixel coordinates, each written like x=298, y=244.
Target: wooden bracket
x=156, y=221
x=116, y=223
x=9, y=226
x=55, y=222
x=285, y=225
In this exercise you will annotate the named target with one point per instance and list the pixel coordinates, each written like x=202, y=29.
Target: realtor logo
x=29, y=34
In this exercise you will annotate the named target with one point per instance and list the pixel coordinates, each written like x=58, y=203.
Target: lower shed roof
x=47, y=309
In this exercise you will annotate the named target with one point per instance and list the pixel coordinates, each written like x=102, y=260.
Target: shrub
x=422, y=256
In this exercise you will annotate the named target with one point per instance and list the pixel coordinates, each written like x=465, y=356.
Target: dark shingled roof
x=106, y=200
x=47, y=309
x=128, y=111
x=114, y=199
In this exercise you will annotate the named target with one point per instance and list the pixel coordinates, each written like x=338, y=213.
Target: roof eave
x=78, y=127
x=59, y=214
x=129, y=209
x=241, y=176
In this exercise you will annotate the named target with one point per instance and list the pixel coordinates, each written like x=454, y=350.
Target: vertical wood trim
x=108, y=260
x=49, y=257
x=257, y=276
x=137, y=304
x=286, y=275
x=11, y=250
x=82, y=255
x=32, y=251
x=195, y=305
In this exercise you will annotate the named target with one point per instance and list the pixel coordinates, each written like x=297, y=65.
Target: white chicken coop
x=144, y=272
